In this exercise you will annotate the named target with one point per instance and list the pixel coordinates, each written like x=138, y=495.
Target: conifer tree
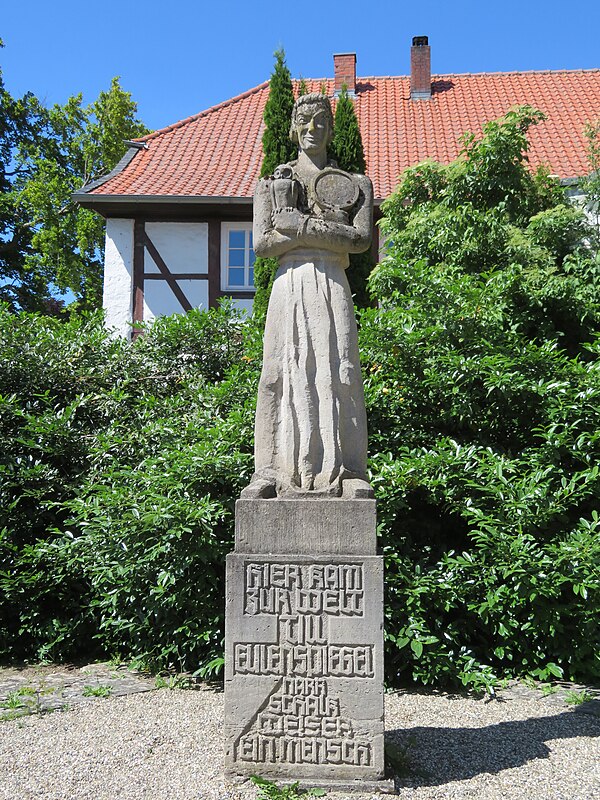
x=347, y=149
x=347, y=145
x=277, y=149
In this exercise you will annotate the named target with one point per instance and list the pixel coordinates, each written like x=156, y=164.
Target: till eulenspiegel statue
x=311, y=429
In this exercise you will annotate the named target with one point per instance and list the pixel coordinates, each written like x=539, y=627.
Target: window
x=237, y=257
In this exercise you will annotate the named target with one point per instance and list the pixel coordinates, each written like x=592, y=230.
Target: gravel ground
x=167, y=745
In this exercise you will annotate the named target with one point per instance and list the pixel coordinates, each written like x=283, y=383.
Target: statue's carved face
x=312, y=127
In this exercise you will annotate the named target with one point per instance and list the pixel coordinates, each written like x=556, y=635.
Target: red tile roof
x=218, y=152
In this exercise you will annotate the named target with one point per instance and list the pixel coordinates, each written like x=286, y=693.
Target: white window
x=237, y=257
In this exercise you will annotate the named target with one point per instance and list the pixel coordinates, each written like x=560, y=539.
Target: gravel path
x=167, y=745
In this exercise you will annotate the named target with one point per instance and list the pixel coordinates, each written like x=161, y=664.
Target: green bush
x=483, y=388
x=51, y=377
x=119, y=469
x=120, y=463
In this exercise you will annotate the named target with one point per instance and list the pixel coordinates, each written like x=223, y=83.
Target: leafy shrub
x=483, y=387
x=120, y=463
x=119, y=469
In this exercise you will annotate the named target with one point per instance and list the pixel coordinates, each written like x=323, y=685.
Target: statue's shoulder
x=360, y=176
x=262, y=187
x=364, y=182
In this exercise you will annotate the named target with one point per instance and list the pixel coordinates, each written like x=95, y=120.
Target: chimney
x=420, y=68
x=344, y=72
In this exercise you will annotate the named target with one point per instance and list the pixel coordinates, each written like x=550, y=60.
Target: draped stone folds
x=310, y=419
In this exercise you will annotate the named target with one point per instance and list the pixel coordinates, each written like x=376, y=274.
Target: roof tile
x=218, y=152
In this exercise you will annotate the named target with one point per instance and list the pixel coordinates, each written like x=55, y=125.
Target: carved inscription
x=335, y=589
x=334, y=661
x=301, y=722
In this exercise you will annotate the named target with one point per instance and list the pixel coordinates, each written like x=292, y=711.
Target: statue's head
x=312, y=123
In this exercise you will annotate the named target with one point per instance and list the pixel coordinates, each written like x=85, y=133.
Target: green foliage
x=271, y=791
x=265, y=270
x=81, y=144
x=347, y=149
x=47, y=242
x=13, y=700
x=118, y=471
x=20, y=124
x=360, y=267
x=483, y=393
x=172, y=682
x=574, y=698
x=591, y=183
x=100, y=690
x=120, y=463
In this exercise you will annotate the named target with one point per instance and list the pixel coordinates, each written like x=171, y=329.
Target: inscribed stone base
x=304, y=665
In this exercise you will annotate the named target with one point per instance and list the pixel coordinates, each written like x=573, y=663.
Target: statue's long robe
x=311, y=429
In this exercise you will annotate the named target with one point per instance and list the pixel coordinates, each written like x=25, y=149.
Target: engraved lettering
x=314, y=630
x=300, y=723
x=266, y=748
x=277, y=588
x=252, y=605
x=308, y=661
x=315, y=579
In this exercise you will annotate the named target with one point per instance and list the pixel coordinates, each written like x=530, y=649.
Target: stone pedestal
x=304, y=643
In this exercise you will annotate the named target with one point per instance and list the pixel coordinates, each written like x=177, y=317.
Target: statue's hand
x=288, y=221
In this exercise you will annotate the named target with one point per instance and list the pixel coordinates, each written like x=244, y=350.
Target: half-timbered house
x=178, y=206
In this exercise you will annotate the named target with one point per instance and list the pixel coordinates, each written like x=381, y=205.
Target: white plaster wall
x=184, y=248
x=590, y=209
x=117, y=299
x=159, y=299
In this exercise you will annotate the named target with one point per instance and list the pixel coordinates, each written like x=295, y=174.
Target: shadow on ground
x=435, y=756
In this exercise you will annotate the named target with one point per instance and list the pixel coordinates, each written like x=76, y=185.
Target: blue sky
x=181, y=57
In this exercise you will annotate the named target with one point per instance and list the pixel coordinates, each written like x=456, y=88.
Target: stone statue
x=311, y=429
x=304, y=609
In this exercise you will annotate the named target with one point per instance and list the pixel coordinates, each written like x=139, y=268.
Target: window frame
x=226, y=228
